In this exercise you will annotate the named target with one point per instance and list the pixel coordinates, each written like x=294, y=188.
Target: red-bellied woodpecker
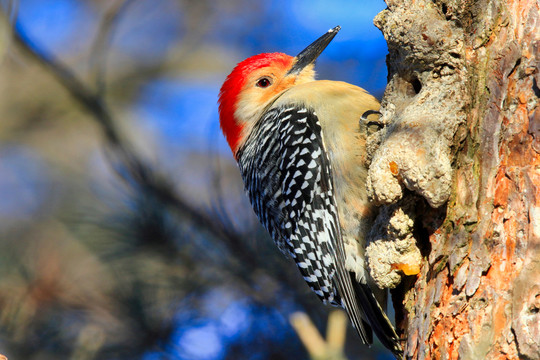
x=300, y=145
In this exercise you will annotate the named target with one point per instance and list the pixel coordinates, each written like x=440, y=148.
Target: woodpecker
x=300, y=146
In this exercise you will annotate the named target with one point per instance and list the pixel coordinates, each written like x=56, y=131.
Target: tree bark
x=463, y=145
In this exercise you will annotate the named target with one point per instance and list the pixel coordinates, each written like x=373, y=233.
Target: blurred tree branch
x=144, y=177
x=140, y=175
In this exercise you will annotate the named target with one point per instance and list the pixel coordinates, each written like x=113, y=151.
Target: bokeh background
x=124, y=230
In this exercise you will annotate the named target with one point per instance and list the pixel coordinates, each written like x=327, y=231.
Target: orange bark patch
x=510, y=228
x=502, y=189
x=448, y=329
x=520, y=152
x=499, y=316
x=496, y=276
x=522, y=98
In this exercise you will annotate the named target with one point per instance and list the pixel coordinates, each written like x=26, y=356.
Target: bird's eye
x=264, y=82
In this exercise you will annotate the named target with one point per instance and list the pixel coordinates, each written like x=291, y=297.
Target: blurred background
x=124, y=229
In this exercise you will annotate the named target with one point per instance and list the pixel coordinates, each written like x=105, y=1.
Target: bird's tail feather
x=377, y=318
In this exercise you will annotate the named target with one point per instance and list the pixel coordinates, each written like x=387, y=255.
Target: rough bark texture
x=462, y=143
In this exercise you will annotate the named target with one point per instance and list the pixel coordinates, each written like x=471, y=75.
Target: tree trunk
x=463, y=146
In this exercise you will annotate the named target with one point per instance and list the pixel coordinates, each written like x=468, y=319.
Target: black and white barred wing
x=288, y=179
x=309, y=216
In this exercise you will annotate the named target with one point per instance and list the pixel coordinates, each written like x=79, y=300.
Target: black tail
x=377, y=319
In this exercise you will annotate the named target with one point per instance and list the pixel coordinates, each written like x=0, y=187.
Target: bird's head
x=257, y=81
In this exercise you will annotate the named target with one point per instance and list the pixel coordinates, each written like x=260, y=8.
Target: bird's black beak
x=312, y=52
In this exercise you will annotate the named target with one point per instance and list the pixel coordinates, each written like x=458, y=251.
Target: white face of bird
x=263, y=87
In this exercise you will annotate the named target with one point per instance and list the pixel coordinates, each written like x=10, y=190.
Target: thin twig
x=336, y=330
x=317, y=347
x=308, y=333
